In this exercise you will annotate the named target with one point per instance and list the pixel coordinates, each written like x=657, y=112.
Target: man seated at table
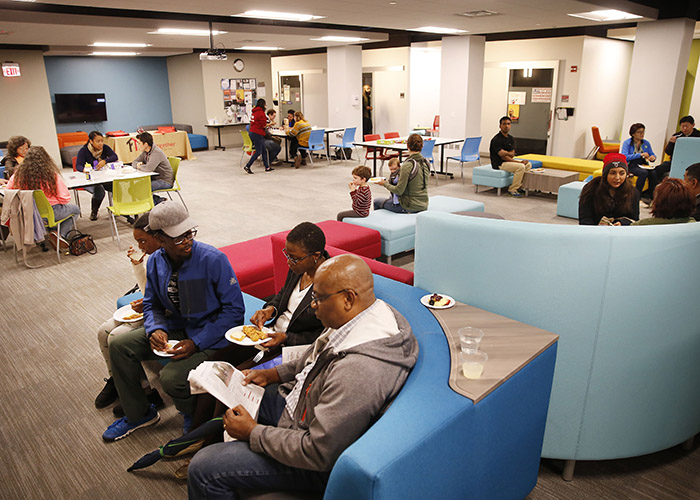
x=192, y=296
x=502, y=154
x=318, y=405
x=272, y=143
x=299, y=137
x=153, y=159
x=96, y=154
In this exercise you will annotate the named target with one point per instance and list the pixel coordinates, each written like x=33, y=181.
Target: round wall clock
x=238, y=65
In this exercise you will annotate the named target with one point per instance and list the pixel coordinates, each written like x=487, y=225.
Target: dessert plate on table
x=445, y=303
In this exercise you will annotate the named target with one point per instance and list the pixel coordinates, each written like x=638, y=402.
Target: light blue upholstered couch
x=622, y=299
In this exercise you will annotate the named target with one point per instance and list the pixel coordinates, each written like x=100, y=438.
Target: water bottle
x=87, y=171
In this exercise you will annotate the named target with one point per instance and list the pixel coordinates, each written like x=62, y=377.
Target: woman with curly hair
x=17, y=147
x=673, y=203
x=39, y=171
x=609, y=200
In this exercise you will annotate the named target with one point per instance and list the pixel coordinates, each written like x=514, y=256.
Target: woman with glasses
x=609, y=200
x=638, y=153
x=17, y=148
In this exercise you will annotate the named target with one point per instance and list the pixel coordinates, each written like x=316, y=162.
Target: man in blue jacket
x=192, y=298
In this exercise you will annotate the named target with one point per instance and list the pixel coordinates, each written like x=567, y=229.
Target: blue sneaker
x=187, y=422
x=121, y=427
x=515, y=194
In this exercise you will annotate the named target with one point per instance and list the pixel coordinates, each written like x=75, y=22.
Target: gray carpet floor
x=50, y=431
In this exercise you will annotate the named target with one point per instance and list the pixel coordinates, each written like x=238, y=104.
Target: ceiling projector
x=213, y=55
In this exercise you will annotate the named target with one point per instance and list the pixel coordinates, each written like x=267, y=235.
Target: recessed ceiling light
x=24, y=0
x=119, y=44
x=477, y=13
x=606, y=15
x=277, y=16
x=186, y=32
x=346, y=39
x=257, y=47
x=114, y=54
x=439, y=30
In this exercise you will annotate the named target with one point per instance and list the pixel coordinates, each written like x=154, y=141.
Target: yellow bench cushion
x=584, y=167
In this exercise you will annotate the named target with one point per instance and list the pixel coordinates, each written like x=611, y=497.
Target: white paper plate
x=425, y=300
x=124, y=311
x=376, y=180
x=246, y=341
x=163, y=354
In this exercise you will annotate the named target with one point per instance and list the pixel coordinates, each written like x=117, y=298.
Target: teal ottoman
x=398, y=231
x=567, y=199
x=486, y=175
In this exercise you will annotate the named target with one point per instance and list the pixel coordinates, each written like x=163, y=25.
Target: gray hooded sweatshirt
x=342, y=396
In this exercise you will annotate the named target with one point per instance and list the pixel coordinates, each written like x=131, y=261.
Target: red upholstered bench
x=252, y=260
x=281, y=268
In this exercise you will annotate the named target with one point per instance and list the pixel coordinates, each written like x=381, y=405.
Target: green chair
x=46, y=212
x=175, y=165
x=131, y=196
x=247, y=145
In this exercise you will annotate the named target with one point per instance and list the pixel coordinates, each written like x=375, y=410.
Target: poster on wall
x=239, y=98
x=514, y=112
x=517, y=98
x=542, y=94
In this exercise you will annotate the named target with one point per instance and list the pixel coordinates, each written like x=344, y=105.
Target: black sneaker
x=248, y=170
x=93, y=215
x=107, y=395
x=153, y=398
x=269, y=169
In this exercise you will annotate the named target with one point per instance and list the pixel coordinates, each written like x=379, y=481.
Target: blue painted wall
x=136, y=89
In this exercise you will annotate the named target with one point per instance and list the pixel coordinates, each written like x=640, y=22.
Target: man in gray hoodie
x=318, y=405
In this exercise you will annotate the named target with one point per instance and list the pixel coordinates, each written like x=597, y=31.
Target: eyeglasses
x=295, y=260
x=316, y=299
x=188, y=236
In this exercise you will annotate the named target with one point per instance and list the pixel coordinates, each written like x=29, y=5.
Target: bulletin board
x=239, y=95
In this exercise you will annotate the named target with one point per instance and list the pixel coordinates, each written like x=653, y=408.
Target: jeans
x=260, y=149
x=218, y=470
x=643, y=175
x=273, y=149
x=98, y=194
x=61, y=211
x=159, y=184
x=388, y=204
x=294, y=147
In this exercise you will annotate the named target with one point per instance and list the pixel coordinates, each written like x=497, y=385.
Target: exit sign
x=10, y=70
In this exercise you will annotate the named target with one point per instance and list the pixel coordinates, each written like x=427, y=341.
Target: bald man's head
x=344, y=286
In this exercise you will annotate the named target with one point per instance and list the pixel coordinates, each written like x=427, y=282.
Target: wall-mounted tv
x=79, y=108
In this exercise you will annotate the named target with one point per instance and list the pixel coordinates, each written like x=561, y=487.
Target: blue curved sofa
x=622, y=299
x=435, y=443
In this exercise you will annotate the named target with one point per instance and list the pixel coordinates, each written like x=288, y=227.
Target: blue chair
x=427, y=152
x=470, y=152
x=2, y=172
x=316, y=144
x=348, y=141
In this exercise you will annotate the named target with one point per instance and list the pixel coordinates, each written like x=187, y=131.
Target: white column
x=659, y=63
x=345, y=87
x=461, y=84
x=424, y=84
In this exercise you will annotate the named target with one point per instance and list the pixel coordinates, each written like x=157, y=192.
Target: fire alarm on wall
x=574, y=69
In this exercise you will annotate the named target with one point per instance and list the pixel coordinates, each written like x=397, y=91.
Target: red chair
x=436, y=126
x=391, y=135
x=379, y=152
x=602, y=148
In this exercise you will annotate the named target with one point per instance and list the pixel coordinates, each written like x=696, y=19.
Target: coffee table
x=548, y=180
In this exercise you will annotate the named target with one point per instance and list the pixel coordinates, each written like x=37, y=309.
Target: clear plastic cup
x=470, y=338
x=472, y=363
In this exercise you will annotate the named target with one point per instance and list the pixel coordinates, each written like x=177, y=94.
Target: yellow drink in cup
x=473, y=363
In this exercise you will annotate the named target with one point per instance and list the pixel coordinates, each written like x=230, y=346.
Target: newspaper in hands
x=224, y=382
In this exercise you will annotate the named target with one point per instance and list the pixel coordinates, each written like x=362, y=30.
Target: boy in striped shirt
x=360, y=194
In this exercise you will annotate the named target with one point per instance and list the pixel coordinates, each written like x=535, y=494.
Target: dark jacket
x=587, y=215
x=85, y=156
x=304, y=327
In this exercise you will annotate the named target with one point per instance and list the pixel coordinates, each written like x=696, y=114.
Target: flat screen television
x=79, y=108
